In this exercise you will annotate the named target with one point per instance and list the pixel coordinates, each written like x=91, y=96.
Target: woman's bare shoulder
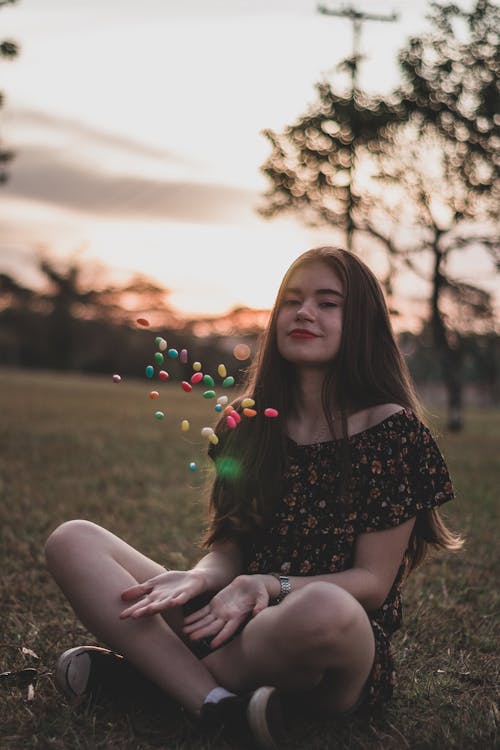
x=371, y=416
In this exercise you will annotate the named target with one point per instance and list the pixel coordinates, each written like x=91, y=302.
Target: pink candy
x=270, y=412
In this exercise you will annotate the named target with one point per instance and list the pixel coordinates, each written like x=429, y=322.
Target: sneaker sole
x=73, y=686
x=263, y=712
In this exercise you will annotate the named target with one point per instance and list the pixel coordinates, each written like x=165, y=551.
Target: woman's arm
x=174, y=588
x=219, y=566
x=377, y=557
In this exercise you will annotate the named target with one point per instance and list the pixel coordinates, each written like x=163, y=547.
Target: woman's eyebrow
x=296, y=290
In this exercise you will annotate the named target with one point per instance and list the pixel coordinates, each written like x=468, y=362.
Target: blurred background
x=170, y=158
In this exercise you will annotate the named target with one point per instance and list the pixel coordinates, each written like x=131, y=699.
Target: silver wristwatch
x=285, y=587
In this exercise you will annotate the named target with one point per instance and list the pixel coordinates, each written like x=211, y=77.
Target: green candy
x=228, y=382
x=159, y=358
x=208, y=380
x=209, y=394
x=159, y=415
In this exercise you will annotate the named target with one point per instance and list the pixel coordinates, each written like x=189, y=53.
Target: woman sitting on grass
x=316, y=518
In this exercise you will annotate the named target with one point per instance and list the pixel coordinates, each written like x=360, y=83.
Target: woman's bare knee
x=321, y=615
x=67, y=538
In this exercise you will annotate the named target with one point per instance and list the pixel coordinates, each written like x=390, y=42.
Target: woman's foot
x=89, y=671
x=255, y=716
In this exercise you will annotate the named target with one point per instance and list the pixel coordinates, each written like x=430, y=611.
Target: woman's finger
x=198, y=615
x=208, y=630
x=138, y=590
x=225, y=633
x=191, y=627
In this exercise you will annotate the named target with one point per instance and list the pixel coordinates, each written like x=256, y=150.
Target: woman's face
x=309, y=322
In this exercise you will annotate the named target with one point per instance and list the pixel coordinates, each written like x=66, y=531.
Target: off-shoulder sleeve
x=403, y=474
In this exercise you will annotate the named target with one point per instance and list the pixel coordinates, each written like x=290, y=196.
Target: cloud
x=58, y=162
x=64, y=127
x=39, y=173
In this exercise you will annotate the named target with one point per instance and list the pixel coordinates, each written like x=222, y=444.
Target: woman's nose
x=305, y=312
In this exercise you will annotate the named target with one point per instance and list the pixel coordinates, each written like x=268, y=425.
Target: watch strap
x=285, y=586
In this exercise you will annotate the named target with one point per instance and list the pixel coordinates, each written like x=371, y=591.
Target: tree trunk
x=454, y=389
x=451, y=356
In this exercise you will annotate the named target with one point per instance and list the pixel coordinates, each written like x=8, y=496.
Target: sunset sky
x=137, y=128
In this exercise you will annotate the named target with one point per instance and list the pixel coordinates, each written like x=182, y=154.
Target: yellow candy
x=248, y=403
x=197, y=366
x=185, y=425
x=222, y=371
x=213, y=438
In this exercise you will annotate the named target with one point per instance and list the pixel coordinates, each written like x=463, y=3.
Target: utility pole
x=352, y=63
x=357, y=18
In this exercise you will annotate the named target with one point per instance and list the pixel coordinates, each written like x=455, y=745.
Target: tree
x=451, y=82
x=424, y=172
x=8, y=50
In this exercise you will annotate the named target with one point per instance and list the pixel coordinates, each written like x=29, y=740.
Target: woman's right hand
x=170, y=589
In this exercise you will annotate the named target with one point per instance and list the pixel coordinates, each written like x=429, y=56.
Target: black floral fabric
x=397, y=471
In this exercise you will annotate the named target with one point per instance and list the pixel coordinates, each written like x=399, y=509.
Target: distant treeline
x=41, y=340
x=89, y=331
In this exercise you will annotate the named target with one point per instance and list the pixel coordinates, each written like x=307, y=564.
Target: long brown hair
x=368, y=369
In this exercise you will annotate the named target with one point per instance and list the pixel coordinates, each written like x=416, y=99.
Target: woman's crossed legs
x=318, y=639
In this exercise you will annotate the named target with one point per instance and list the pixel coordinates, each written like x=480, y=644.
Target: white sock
x=217, y=694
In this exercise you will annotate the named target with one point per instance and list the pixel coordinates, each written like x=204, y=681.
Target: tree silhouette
x=8, y=50
x=450, y=82
x=424, y=174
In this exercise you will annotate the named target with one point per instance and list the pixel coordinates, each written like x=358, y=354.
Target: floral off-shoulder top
x=397, y=472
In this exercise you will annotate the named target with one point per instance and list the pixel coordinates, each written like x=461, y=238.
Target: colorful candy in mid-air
x=231, y=416
x=144, y=322
x=271, y=412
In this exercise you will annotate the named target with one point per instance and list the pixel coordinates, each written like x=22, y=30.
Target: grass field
x=83, y=447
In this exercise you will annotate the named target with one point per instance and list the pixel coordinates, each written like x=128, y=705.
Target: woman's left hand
x=245, y=596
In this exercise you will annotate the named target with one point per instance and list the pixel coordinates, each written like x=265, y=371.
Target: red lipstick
x=302, y=333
